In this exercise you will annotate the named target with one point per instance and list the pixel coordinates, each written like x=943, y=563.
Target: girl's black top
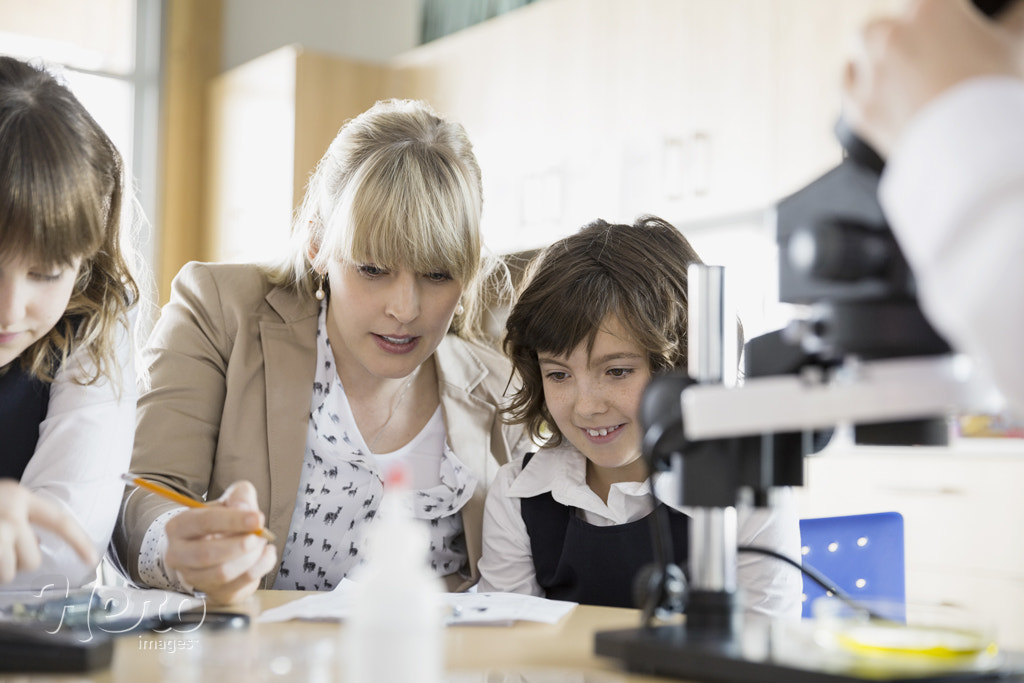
x=24, y=401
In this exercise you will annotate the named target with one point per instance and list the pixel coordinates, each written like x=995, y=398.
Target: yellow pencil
x=171, y=494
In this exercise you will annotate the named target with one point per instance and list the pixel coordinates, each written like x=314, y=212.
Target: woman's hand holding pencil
x=220, y=547
x=171, y=494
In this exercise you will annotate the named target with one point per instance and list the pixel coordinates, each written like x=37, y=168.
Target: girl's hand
x=215, y=550
x=20, y=509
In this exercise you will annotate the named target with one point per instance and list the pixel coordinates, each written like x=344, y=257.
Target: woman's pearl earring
x=460, y=309
x=320, y=290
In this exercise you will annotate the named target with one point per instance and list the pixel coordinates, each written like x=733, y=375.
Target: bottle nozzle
x=396, y=478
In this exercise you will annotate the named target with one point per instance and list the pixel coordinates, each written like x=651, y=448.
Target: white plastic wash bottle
x=395, y=633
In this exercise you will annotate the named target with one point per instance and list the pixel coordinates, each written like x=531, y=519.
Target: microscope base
x=673, y=652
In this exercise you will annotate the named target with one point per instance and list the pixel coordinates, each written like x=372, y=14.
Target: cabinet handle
x=701, y=164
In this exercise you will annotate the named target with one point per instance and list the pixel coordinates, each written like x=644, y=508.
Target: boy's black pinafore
x=588, y=564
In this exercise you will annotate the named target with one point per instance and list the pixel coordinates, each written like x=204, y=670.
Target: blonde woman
x=283, y=392
x=67, y=383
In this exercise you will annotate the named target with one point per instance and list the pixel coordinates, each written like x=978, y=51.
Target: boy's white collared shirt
x=563, y=472
x=769, y=586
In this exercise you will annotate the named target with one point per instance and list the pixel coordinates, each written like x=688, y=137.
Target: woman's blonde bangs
x=410, y=210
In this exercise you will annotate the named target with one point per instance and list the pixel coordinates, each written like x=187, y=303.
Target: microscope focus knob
x=839, y=250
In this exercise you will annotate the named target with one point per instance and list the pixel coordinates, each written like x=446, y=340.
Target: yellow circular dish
x=928, y=639
x=891, y=638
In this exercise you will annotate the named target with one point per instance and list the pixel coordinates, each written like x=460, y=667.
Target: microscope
x=863, y=357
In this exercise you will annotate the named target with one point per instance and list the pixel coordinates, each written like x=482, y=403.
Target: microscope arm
x=855, y=392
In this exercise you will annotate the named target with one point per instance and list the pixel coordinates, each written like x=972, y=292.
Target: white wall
x=369, y=30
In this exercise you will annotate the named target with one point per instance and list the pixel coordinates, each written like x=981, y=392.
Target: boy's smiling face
x=594, y=399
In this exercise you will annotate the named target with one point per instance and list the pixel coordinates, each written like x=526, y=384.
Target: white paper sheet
x=464, y=608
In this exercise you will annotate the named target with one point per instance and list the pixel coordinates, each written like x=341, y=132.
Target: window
x=441, y=17
x=108, y=54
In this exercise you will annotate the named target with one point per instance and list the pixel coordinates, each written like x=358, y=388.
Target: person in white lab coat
x=939, y=92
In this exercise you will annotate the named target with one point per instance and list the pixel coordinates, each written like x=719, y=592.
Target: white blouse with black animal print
x=341, y=486
x=340, y=491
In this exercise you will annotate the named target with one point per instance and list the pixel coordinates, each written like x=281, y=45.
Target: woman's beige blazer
x=231, y=364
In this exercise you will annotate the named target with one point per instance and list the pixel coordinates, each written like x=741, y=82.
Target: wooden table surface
x=526, y=652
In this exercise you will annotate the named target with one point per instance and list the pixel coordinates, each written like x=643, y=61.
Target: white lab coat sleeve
x=769, y=585
x=953, y=192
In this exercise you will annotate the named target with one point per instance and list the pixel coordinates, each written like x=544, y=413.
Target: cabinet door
x=957, y=507
x=961, y=512
x=696, y=86
x=249, y=209
x=729, y=70
x=996, y=601
x=292, y=102
x=813, y=41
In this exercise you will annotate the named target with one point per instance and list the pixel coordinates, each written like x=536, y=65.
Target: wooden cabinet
x=689, y=109
x=962, y=512
x=271, y=122
x=578, y=109
x=697, y=93
x=584, y=109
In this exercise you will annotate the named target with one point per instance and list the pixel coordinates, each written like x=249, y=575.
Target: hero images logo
x=113, y=610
